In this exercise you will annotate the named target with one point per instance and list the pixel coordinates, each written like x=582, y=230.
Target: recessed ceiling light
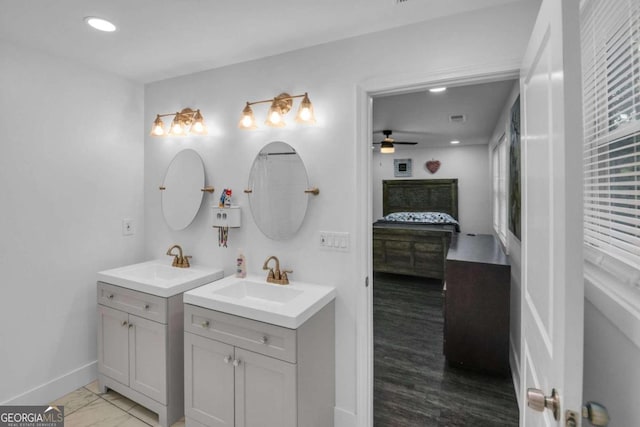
x=100, y=24
x=437, y=89
x=455, y=142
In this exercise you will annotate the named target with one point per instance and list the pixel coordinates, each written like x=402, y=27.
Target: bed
x=414, y=248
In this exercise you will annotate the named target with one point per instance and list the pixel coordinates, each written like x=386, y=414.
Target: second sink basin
x=252, y=297
x=245, y=290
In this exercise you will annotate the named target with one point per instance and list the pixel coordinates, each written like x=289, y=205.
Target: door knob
x=537, y=401
x=596, y=414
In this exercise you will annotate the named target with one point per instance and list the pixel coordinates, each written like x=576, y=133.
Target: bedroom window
x=499, y=165
x=611, y=96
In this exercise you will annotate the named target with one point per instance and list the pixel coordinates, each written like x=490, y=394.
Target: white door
x=552, y=299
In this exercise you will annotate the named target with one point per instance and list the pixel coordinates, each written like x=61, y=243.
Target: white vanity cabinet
x=242, y=372
x=140, y=341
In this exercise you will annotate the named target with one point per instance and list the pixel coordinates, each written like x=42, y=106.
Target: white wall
x=330, y=73
x=467, y=163
x=611, y=373
x=71, y=169
x=512, y=244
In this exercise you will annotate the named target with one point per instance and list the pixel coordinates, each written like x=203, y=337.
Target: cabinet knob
x=236, y=362
x=146, y=306
x=110, y=296
x=205, y=324
x=124, y=323
x=130, y=325
x=263, y=340
x=227, y=359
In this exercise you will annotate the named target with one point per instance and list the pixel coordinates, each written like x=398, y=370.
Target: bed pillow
x=423, y=217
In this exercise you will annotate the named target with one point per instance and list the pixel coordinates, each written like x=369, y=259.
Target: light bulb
x=177, y=129
x=157, y=130
x=158, y=127
x=305, y=114
x=275, y=117
x=198, y=127
x=247, y=121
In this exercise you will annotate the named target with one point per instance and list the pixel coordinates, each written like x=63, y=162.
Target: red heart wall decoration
x=433, y=166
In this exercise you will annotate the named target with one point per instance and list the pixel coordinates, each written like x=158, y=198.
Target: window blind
x=610, y=38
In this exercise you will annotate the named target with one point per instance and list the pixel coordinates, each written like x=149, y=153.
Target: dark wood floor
x=413, y=384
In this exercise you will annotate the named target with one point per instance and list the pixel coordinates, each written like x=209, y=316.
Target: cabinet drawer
x=144, y=305
x=264, y=338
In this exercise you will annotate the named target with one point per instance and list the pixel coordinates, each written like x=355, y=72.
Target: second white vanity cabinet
x=241, y=372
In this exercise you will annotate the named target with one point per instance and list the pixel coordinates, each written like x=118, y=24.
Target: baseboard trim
x=57, y=387
x=343, y=418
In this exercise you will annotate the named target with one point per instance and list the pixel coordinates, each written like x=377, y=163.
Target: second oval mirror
x=277, y=185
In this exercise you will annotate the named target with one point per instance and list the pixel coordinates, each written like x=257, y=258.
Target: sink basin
x=253, y=291
x=159, y=278
x=252, y=297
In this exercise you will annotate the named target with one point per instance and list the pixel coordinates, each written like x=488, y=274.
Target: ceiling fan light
x=387, y=147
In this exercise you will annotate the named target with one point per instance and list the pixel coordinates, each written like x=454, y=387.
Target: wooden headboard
x=420, y=195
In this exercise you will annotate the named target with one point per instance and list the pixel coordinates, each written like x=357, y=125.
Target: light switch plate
x=334, y=241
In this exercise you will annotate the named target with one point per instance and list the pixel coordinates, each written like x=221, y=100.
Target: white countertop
x=288, y=306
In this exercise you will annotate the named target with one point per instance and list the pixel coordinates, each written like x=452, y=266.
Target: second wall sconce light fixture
x=185, y=122
x=280, y=105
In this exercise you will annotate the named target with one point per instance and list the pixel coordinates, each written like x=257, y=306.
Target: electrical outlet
x=334, y=241
x=127, y=227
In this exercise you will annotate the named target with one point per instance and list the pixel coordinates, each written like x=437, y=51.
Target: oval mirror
x=277, y=182
x=182, y=189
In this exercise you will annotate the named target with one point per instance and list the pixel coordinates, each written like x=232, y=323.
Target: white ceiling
x=158, y=39
x=423, y=116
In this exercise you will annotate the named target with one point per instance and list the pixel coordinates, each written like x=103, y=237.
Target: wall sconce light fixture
x=185, y=122
x=280, y=105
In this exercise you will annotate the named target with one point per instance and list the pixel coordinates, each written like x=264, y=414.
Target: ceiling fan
x=387, y=145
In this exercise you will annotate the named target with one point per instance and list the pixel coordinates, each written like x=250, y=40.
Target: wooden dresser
x=476, y=308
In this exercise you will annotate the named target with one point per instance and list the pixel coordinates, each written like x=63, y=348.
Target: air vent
x=457, y=118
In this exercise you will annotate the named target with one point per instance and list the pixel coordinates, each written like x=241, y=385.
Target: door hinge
x=366, y=282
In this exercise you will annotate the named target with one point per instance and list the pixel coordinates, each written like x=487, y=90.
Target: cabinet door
x=265, y=391
x=113, y=344
x=148, y=358
x=209, y=374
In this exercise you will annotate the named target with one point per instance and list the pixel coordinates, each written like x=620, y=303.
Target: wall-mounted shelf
x=226, y=217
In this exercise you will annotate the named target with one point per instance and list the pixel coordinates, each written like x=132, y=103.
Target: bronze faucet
x=179, y=260
x=276, y=276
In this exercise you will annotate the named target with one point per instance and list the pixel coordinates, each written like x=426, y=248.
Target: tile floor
x=87, y=407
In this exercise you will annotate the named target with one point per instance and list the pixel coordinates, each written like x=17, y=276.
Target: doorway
x=368, y=97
